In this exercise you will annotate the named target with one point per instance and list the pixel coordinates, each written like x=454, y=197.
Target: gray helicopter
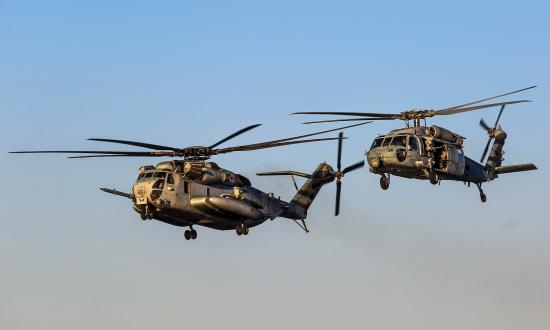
x=431, y=152
x=193, y=191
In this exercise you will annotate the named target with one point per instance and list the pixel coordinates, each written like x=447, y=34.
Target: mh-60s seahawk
x=432, y=152
x=194, y=191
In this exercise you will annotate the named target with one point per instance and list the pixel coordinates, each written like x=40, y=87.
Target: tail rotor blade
x=354, y=167
x=485, y=151
x=338, y=192
x=499, y=114
x=340, y=139
x=484, y=125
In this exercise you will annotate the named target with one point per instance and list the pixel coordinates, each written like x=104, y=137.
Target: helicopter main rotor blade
x=123, y=153
x=368, y=120
x=477, y=107
x=339, y=157
x=237, y=133
x=338, y=193
x=267, y=145
x=360, y=114
x=354, y=167
x=487, y=99
x=137, y=144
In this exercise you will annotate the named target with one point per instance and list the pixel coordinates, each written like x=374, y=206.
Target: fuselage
x=415, y=152
x=182, y=193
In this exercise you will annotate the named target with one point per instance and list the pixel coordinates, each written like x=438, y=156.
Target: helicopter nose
x=141, y=191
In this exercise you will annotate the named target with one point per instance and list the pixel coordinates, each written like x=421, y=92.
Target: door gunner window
x=399, y=141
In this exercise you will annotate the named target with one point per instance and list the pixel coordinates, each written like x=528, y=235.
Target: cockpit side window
x=170, y=179
x=399, y=141
x=377, y=142
x=386, y=141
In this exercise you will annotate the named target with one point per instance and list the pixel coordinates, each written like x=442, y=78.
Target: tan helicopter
x=433, y=153
x=193, y=191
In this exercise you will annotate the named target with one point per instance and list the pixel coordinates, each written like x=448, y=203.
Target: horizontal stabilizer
x=303, y=175
x=515, y=168
x=116, y=192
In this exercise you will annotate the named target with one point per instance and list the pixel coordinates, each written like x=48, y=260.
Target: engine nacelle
x=194, y=170
x=211, y=173
x=444, y=134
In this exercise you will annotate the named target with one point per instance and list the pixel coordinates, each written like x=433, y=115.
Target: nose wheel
x=190, y=234
x=241, y=229
x=482, y=195
x=385, y=181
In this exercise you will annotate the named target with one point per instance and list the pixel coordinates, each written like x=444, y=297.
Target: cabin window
x=399, y=141
x=386, y=142
x=207, y=191
x=460, y=154
x=170, y=179
x=413, y=143
x=186, y=187
x=377, y=143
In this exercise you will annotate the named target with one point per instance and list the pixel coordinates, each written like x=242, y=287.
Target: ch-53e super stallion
x=434, y=153
x=193, y=191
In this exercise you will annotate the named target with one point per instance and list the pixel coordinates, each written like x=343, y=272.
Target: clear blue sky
x=186, y=73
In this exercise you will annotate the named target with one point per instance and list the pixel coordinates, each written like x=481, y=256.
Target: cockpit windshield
x=377, y=142
x=152, y=175
x=386, y=141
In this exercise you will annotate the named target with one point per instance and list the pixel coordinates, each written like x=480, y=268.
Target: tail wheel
x=483, y=197
x=245, y=230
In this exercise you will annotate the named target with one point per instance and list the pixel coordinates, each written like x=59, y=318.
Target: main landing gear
x=385, y=181
x=241, y=229
x=482, y=195
x=190, y=233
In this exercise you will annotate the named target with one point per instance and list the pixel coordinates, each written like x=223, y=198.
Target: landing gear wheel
x=239, y=229
x=384, y=182
x=433, y=178
x=483, y=197
x=187, y=234
x=193, y=234
x=143, y=216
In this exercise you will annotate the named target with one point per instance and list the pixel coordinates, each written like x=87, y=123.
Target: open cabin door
x=453, y=160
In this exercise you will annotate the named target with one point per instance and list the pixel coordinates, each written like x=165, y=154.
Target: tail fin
x=304, y=197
